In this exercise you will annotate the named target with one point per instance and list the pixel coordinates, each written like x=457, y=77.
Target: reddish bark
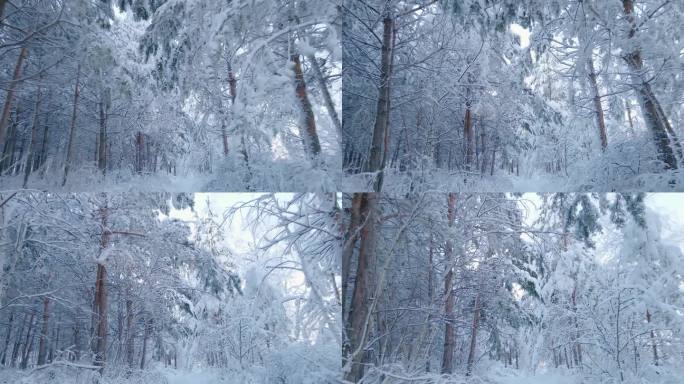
x=448, y=353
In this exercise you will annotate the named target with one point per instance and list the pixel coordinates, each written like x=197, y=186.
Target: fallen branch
x=64, y=364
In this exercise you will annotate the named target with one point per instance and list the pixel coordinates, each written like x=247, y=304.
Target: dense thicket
x=451, y=94
x=142, y=287
x=217, y=95
x=439, y=287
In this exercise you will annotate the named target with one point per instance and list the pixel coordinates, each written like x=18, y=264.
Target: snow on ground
x=268, y=177
x=205, y=377
x=65, y=375
x=439, y=180
x=492, y=372
x=512, y=376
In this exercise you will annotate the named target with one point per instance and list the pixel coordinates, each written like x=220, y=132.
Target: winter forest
x=161, y=288
x=510, y=95
x=170, y=95
x=341, y=191
x=513, y=288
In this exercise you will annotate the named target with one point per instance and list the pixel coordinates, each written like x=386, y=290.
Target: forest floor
x=400, y=183
x=276, y=176
x=496, y=373
x=153, y=376
x=185, y=377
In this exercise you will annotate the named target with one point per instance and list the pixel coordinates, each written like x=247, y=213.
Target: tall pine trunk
x=130, y=334
x=653, y=114
x=101, y=295
x=4, y=120
x=653, y=340
x=43, y=147
x=17, y=342
x=578, y=346
x=42, y=349
x=139, y=152
x=380, y=140
x=629, y=117
x=146, y=335
x=329, y=104
x=310, y=135
x=351, y=237
x=7, y=155
x=232, y=89
x=28, y=344
x=468, y=133
x=357, y=324
x=102, y=137
x=431, y=296
x=600, y=120
x=7, y=338
x=473, y=334
x=72, y=128
x=34, y=132
x=448, y=352
x=78, y=347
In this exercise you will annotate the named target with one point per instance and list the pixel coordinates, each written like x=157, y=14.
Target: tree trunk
x=431, y=295
x=653, y=340
x=17, y=342
x=600, y=121
x=468, y=133
x=55, y=345
x=650, y=107
x=448, y=353
x=313, y=145
x=70, y=146
x=671, y=132
x=77, y=340
x=101, y=313
x=7, y=338
x=357, y=325
x=483, y=147
x=139, y=152
x=556, y=363
x=16, y=160
x=146, y=335
x=232, y=83
x=232, y=88
x=578, y=347
x=34, y=132
x=102, y=138
x=629, y=116
x=618, y=346
x=101, y=295
x=4, y=120
x=43, y=147
x=349, y=245
x=7, y=158
x=28, y=344
x=473, y=335
x=329, y=104
x=130, y=334
x=42, y=349
x=380, y=140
